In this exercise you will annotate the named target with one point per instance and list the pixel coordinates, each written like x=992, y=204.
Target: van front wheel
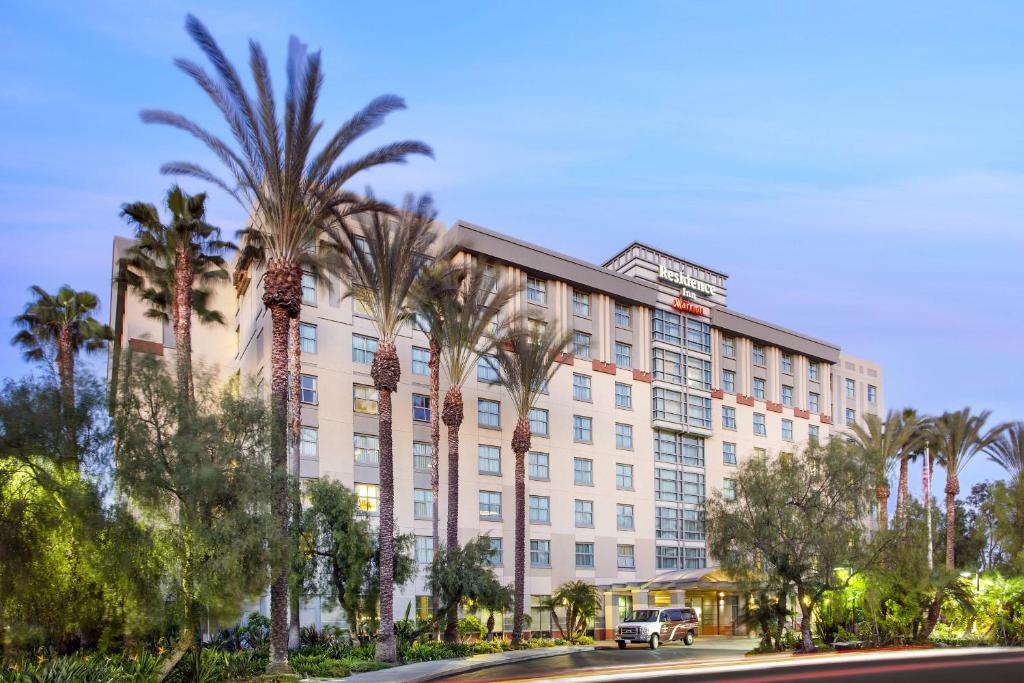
x=622, y=645
x=654, y=642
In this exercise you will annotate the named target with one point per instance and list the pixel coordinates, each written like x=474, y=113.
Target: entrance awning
x=707, y=578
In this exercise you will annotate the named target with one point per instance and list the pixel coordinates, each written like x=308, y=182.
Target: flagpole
x=926, y=476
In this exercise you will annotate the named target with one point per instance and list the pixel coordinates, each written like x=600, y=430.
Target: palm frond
x=527, y=361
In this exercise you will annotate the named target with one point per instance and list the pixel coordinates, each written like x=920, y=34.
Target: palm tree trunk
x=520, y=445
x=952, y=489
x=295, y=414
x=66, y=368
x=386, y=371
x=453, y=413
x=882, y=494
x=435, y=449
x=181, y=319
x=807, y=642
x=902, y=490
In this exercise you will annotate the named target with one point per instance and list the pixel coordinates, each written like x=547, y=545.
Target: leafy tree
x=1007, y=505
x=463, y=573
x=580, y=601
x=291, y=194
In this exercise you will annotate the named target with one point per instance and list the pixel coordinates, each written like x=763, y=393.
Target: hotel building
x=666, y=392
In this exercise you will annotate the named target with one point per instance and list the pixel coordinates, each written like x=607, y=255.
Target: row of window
x=761, y=428
x=758, y=358
x=851, y=391
x=537, y=292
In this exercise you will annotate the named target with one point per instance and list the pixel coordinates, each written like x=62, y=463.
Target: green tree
x=579, y=601
x=292, y=194
x=1007, y=505
x=462, y=574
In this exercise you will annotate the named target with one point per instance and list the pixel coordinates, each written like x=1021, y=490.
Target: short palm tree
x=382, y=263
x=291, y=194
x=526, y=363
x=173, y=267
x=882, y=442
x=580, y=600
x=1008, y=450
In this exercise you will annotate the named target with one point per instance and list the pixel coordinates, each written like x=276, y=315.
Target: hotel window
x=729, y=381
x=360, y=303
x=787, y=396
x=698, y=373
x=872, y=393
x=536, y=290
x=583, y=471
x=421, y=408
x=624, y=517
x=363, y=349
x=787, y=430
x=420, y=361
x=694, y=558
x=585, y=555
x=536, y=328
x=851, y=389
x=728, y=417
x=366, y=448
x=490, y=279
x=582, y=429
x=365, y=399
x=308, y=288
x=307, y=389
x=851, y=417
x=728, y=347
x=423, y=504
x=759, y=388
x=693, y=488
x=368, y=497
x=693, y=525
x=623, y=316
x=623, y=355
x=581, y=344
x=581, y=303
x=729, y=489
x=540, y=553
x=812, y=372
x=667, y=557
x=758, y=355
x=667, y=446
x=309, y=443
x=668, y=405
x=424, y=549
x=728, y=453
x=760, y=452
x=623, y=477
x=540, y=510
x=698, y=335
x=668, y=365
x=363, y=247
x=581, y=387
x=538, y=422
x=624, y=555
x=759, y=424
x=487, y=369
x=666, y=524
x=421, y=456
x=693, y=450
x=667, y=327
x=623, y=395
x=539, y=468
x=812, y=402
x=488, y=413
x=787, y=363
x=423, y=606
x=698, y=411
x=585, y=513
x=489, y=458
x=494, y=557
x=490, y=505
x=812, y=434
x=307, y=338
x=623, y=436
x=666, y=484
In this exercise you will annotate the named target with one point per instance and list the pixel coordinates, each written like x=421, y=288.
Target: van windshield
x=643, y=615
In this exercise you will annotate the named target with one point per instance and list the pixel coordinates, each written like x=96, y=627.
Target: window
x=668, y=405
x=812, y=402
x=872, y=393
x=490, y=459
x=421, y=408
x=667, y=557
x=666, y=524
x=365, y=399
x=667, y=446
x=308, y=391
x=420, y=361
x=368, y=497
x=421, y=455
x=787, y=395
x=581, y=344
x=363, y=349
x=787, y=363
x=585, y=513
x=490, y=505
x=693, y=524
x=623, y=316
x=787, y=430
x=538, y=421
x=488, y=413
x=623, y=477
x=812, y=433
x=693, y=488
x=423, y=504
x=623, y=436
x=494, y=558
x=698, y=335
x=487, y=369
x=729, y=381
x=667, y=327
x=728, y=453
x=581, y=387
x=623, y=355
x=536, y=328
x=582, y=429
x=759, y=425
x=536, y=290
x=489, y=281
x=668, y=365
x=692, y=450
x=728, y=417
x=540, y=553
x=308, y=288
x=851, y=417
x=540, y=510
x=812, y=372
x=424, y=549
x=851, y=389
x=366, y=448
x=583, y=471
x=760, y=452
x=423, y=606
x=539, y=467
x=585, y=555
x=698, y=373
x=728, y=347
x=698, y=411
x=624, y=517
x=581, y=303
x=308, y=443
x=625, y=556
x=666, y=484
x=623, y=396
x=759, y=388
x=758, y=355
x=694, y=558
x=307, y=338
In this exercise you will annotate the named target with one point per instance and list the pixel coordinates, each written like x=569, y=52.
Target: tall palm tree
x=882, y=442
x=916, y=429
x=382, y=263
x=526, y=362
x=173, y=267
x=958, y=437
x=291, y=194
x=1008, y=450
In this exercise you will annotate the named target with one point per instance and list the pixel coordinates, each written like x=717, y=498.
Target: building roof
x=644, y=245
x=746, y=326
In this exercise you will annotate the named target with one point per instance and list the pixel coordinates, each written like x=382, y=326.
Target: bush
x=469, y=625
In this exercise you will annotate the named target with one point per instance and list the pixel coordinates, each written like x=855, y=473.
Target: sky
x=856, y=168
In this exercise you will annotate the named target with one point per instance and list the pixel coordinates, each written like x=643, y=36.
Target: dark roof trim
x=745, y=326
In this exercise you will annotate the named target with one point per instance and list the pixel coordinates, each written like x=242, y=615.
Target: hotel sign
x=688, y=283
x=684, y=305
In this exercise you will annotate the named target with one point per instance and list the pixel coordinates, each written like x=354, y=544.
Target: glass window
x=787, y=395
x=851, y=389
x=421, y=455
x=812, y=372
x=308, y=288
x=623, y=477
x=494, y=558
x=308, y=443
x=623, y=436
x=728, y=347
x=364, y=349
x=585, y=555
x=423, y=503
x=759, y=388
x=582, y=429
x=368, y=497
x=308, y=390
x=812, y=402
x=583, y=471
x=490, y=505
x=812, y=433
x=487, y=369
x=539, y=466
x=581, y=303
x=851, y=417
x=581, y=387
x=758, y=355
x=666, y=524
x=787, y=430
x=421, y=408
x=698, y=411
x=698, y=373
x=623, y=316
x=585, y=513
x=489, y=459
x=581, y=344
x=536, y=290
x=424, y=549
x=365, y=399
x=667, y=557
x=668, y=366
x=667, y=327
x=535, y=328
x=623, y=355
x=623, y=395
x=307, y=338
x=538, y=421
x=694, y=558
x=787, y=362
x=625, y=556
x=540, y=510
x=693, y=488
x=759, y=424
x=367, y=449
x=872, y=393
x=728, y=453
x=488, y=413
x=728, y=417
x=624, y=517
x=668, y=405
x=540, y=553
x=693, y=524
x=667, y=446
x=760, y=452
x=698, y=335
x=693, y=450
x=490, y=279
x=420, y=361
x=729, y=381
x=666, y=484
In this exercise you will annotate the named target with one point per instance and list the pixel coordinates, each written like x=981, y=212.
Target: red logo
x=686, y=306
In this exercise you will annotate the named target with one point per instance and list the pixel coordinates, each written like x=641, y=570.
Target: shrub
x=469, y=625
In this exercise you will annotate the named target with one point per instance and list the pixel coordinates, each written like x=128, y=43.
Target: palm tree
x=1008, y=450
x=172, y=268
x=882, y=442
x=581, y=600
x=291, y=195
x=526, y=362
x=916, y=429
x=382, y=265
x=959, y=436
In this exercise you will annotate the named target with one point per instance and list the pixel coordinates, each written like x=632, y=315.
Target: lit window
x=851, y=389
x=489, y=459
x=760, y=452
x=307, y=338
x=787, y=363
x=623, y=355
x=623, y=477
x=581, y=303
x=366, y=448
x=540, y=553
x=423, y=504
x=581, y=344
x=581, y=387
x=538, y=422
x=758, y=355
x=536, y=290
x=488, y=413
x=540, y=510
x=728, y=453
x=625, y=556
x=368, y=497
x=759, y=424
x=759, y=388
x=787, y=430
x=308, y=288
x=667, y=327
x=583, y=471
x=624, y=517
x=668, y=365
x=424, y=549
x=421, y=408
x=539, y=468
x=421, y=455
x=585, y=555
x=623, y=436
x=308, y=443
x=729, y=381
x=582, y=429
x=490, y=505
x=536, y=328
x=424, y=607
x=851, y=417
x=487, y=369
x=728, y=347
x=728, y=417
x=365, y=399
x=585, y=513
x=872, y=393
x=787, y=395
x=420, y=361
x=623, y=395
x=308, y=391
x=623, y=316
x=363, y=349
x=812, y=402
x=812, y=372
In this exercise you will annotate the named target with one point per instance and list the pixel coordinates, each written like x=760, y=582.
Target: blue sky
x=856, y=168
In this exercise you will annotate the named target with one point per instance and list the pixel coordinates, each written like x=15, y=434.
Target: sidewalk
x=425, y=671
